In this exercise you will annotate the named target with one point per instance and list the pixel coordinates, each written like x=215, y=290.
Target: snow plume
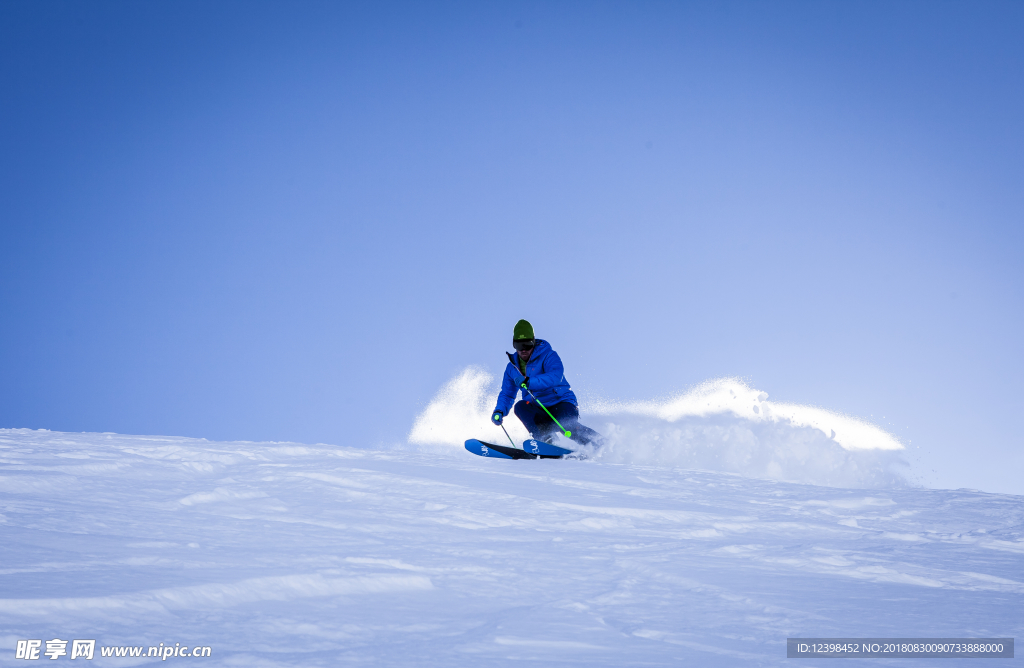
x=462, y=410
x=720, y=425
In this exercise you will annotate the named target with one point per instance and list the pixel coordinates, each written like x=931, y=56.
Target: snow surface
x=298, y=555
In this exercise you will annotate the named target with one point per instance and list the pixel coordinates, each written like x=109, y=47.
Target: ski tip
x=484, y=450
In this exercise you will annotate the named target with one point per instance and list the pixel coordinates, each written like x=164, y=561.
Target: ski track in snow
x=279, y=554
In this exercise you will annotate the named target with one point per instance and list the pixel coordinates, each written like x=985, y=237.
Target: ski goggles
x=524, y=344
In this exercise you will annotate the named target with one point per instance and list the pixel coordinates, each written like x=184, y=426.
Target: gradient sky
x=295, y=221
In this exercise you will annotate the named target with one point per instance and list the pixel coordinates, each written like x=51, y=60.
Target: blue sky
x=294, y=221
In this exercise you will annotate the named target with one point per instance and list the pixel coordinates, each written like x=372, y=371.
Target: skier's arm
x=507, y=396
x=552, y=375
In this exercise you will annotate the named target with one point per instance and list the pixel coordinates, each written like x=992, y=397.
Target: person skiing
x=536, y=369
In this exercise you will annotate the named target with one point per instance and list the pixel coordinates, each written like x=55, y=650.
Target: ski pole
x=564, y=430
x=506, y=434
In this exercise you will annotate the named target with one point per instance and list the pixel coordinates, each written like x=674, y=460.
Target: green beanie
x=523, y=330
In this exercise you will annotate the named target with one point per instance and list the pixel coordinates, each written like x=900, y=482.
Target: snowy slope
x=293, y=555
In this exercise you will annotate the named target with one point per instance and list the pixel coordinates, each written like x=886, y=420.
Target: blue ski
x=503, y=451
x=542, y=448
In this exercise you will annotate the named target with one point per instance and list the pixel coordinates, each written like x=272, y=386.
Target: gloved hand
x=525, y=384
x=497, y=417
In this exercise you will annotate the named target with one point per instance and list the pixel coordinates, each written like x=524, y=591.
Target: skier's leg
x=584, y=435
x=569, y=415
x=535, y=420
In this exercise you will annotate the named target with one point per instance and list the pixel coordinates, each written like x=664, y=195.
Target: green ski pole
x=564, y=430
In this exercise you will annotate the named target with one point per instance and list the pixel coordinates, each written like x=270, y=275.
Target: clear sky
x=295, y=221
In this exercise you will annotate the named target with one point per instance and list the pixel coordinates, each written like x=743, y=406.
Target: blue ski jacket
x=547, y=380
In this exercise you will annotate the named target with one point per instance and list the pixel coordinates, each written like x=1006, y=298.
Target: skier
x=537, y=369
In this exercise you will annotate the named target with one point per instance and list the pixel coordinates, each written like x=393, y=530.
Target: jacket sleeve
x=553, y=373
x=507, y=396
